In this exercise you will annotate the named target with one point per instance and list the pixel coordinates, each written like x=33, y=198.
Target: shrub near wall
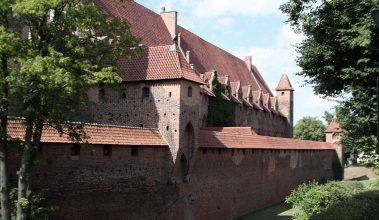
x=336, y=200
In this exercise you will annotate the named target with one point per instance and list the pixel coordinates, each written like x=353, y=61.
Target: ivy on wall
x=221, y=113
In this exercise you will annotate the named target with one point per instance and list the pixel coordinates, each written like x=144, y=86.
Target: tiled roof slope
x=206, y=57
x=261, y=81
x=334, y=127
x=241, y=138
x=144, y=23
x=284, y=84
x=97, y=134
x=156, y=63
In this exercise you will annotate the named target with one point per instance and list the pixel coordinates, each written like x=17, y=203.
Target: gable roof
x=157, y=63
x=97, y=134
x=144, y=23
x=205, y=56
x=241, y=138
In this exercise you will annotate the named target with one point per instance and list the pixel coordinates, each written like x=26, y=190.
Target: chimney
x=249, y=62
x=188, y=56
x=227, y=79
x=171, y=21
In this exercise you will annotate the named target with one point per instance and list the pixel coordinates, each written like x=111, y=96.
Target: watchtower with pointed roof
x=284, y=94
x=333, y=136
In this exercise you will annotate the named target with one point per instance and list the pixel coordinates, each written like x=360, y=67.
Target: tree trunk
x=4, y=185
x=4, y=103
x=24, y=175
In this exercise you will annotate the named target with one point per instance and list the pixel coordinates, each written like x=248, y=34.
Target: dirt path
x=359, y=173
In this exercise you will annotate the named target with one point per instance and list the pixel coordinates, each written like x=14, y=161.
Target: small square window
x=283, y=93
x=146, y=92
x=75, y=150
x=190, y=91
x=107, y=150
x=205, y=150
x=101, y=94
x=134, y=151
x=123, y=94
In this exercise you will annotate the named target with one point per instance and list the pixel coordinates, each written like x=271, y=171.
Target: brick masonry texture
x=166, y=91
x=220, y=184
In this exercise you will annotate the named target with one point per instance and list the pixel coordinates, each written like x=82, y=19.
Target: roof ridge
x=218, y=47
x=14, y=119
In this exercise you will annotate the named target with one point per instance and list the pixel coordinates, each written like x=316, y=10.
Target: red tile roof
x=97, y=134
x=334, y=127
x=144, y=23
x=158, y=63
x=242, y=138
x=284, y=84
x=205, y=56
x=262, y=84
x=207, y=91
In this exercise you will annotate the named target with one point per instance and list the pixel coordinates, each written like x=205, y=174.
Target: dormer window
x=189, y=91
x=146, y=92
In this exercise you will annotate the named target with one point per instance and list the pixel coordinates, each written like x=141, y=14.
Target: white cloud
x=319, y=102
x=217, y=8
x=288, y=38
x=225, y=21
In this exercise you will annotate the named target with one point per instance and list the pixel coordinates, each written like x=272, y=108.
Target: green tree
x=340, y=57
x=10, y=47
x=309, y=128
x=70, y=47
x=328, y=117
x=221, y=113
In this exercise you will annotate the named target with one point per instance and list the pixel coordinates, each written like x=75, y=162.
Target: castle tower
x=284, y=94
x=333, y=136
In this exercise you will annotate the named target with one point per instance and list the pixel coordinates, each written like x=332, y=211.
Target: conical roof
x=334, y=127
x=284, y=84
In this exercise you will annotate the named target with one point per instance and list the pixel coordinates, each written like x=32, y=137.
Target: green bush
x=362, y=206
x=376, y=168
x=37, y=205
x=312, y=198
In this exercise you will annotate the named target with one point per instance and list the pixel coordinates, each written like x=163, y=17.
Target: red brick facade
x=151, y=157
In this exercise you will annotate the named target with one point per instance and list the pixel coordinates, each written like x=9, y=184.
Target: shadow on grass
x=364, y=177
x=361, y=206
x=277, y=212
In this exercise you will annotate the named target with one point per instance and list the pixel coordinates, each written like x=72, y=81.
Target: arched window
x=146, y=92
x=101, y=94
x=189, y=91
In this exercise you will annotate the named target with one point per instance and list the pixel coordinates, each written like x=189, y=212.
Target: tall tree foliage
x=340, y=57
x=70, y=45
x=10, y=48
x=309, y=128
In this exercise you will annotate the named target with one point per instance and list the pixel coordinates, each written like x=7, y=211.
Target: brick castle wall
x=227, y=183
x=94, y=186
x=221, y=183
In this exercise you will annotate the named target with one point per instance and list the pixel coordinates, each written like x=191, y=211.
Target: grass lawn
x=277, y=212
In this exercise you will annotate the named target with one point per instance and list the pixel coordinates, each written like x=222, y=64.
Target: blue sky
x=250, y=27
